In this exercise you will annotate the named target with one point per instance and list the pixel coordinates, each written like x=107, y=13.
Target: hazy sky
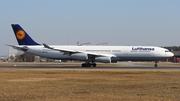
x=118, y=22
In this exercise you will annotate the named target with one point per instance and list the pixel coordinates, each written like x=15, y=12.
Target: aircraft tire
x=155, y=65
x=86, y=65
x=94, y=65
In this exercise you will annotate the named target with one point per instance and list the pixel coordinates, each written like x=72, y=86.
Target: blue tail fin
x=22, y=37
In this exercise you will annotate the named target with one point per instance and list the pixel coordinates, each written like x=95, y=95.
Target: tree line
x=173, y=48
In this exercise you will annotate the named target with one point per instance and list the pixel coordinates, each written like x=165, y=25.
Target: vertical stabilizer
x=22, y=37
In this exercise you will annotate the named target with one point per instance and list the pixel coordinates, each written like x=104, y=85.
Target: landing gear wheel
x=94, y=65
x=86, y=65
x=155, y=65
x=83, y=65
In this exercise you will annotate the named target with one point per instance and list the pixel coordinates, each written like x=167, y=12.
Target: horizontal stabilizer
x=21, y=48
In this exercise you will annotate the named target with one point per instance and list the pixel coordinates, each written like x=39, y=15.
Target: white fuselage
x=145, y=53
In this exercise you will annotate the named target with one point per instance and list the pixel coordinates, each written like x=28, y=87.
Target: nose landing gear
x=156, y=65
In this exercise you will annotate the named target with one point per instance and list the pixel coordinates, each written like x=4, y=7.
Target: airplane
x=89, y=54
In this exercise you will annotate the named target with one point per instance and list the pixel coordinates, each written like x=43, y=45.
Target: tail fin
x=22, y=37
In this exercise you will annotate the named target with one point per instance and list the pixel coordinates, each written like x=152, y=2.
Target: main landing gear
x=156, y=65
x=90, y=62
x=89, y=65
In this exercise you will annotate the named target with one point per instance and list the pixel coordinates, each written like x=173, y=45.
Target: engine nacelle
x=114, y=59
x=107, y=59
x=103, y=59
x=79, y=56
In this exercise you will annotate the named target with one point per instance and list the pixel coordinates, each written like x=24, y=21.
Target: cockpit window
x=166, y=50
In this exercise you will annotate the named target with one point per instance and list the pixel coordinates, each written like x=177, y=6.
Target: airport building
x=13, y=53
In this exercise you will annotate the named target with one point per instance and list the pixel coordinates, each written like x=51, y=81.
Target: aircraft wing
x=62, y=50
x=21, y=48
x=69, y=51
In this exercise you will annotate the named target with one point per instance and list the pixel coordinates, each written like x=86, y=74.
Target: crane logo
x=20, y=34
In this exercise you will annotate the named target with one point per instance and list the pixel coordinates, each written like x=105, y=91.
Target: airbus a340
x=89, y=54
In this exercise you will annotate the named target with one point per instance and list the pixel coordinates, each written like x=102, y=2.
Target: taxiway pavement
x=77, y=66
x=87, y=68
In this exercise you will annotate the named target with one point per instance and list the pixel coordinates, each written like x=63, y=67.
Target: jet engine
x=103, y=59
x=79, y=56
x=106, y=59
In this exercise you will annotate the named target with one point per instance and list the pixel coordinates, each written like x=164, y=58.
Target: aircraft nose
x=171, y=54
